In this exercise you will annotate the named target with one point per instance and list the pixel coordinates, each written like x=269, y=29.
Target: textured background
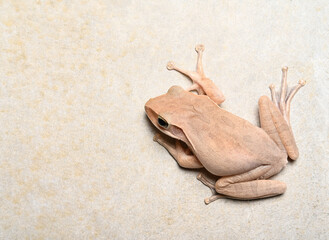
x=77, y=159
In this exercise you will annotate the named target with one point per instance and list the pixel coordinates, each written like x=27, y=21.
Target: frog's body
x=224, y=144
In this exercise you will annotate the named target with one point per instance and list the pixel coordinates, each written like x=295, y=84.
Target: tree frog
x=242, y=156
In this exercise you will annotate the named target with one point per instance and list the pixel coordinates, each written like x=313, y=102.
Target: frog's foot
x=194, y=76
x=282, y=98
x=215, y=196
x=200, y=83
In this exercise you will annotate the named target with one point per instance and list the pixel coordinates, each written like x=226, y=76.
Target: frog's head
x=165, y=112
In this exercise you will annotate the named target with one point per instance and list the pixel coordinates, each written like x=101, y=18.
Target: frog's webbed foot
x=200, y=83
x=207, y=182
x=282, y=98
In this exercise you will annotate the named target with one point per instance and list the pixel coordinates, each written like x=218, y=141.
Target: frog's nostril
x=163, y=123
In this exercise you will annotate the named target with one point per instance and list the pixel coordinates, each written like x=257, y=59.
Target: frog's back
x=226, y=144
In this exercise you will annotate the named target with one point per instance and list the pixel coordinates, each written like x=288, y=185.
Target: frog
x=200, y=134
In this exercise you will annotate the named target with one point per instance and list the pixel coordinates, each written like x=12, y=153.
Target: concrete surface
x=77, y=160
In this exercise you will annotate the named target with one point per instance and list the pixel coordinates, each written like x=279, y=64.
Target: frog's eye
x=163, y=123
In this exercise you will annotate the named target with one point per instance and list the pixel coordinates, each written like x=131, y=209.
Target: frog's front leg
x=275, y=116
x=200, y=83
x=182, y=155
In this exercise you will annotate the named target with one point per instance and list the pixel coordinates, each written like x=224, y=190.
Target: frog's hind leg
x=274, y=116
x=250, y=185
x=215, y=196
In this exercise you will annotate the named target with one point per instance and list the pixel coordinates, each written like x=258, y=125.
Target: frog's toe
x=199, y=48
x=206, y=181
x=302, y=82
x=282, y=98
x=156, y=137
x=213, y=198
x=199, y=177
x=284, y=68
x=170, y=65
